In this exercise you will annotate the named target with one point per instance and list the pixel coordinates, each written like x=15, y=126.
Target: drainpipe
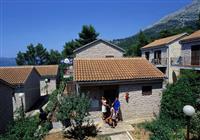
x=77, y=89
x=168, y=64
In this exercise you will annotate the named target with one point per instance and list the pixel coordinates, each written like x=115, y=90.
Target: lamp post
x=189, y=112
x=46, y=81
x=21, y=95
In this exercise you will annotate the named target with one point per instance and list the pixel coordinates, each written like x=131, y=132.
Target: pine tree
x=35, y=55
x=142, y=41
x=87, y=35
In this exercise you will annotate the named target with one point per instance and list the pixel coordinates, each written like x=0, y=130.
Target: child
x=113, y=116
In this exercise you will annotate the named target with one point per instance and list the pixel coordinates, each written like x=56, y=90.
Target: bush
x=75, y=109
x=185, y=91
x=195, y=124
x=170, y=124
x=22, y=130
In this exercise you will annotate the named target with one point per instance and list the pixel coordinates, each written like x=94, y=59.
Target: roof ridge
x=115, y=58
x=117, y=47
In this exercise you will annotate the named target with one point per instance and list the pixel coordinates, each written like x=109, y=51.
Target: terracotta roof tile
x=47, y=70
x=193, y=36
x=164, y=41
x=103, y=69
x=18, y=74
x=15, y=75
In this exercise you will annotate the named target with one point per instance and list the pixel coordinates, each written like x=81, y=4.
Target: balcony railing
x=185, y=61
x=159, y=61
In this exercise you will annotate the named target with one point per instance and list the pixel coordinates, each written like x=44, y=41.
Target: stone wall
x=140, y=106
x=51, y=84
x=99, y=50
x=186, y=51
x=6, y=106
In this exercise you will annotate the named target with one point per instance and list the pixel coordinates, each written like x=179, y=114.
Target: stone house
x=190, y=53
x=115, y=77
x=99, y=49
x=6, y=106
x=50, y=73
x=159, y=53
x=24, y=80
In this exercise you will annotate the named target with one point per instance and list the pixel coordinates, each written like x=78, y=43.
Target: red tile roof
x=47, y=70
x=103, y=69
x=15, y=75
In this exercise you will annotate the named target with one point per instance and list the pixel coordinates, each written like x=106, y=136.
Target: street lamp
x=21, y=96
x=46, y=81
x=189, y=112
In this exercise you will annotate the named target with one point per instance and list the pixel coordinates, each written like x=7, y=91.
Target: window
x=147, y=55
x=146, y=90
x=109, y=56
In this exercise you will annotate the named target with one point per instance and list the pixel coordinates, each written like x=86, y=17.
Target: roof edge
x=86, y=45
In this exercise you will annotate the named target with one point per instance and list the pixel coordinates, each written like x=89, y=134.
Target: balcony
x=186, y=61
x=159, y=61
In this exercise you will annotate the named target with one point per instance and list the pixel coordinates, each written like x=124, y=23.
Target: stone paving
x=120, y=132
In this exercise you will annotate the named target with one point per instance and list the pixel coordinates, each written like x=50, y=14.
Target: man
x=116, y=106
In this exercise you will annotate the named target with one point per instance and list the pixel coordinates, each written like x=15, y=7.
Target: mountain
x=184, y=17
x=4, y=61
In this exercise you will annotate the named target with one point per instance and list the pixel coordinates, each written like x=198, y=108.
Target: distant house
x=24, y=80
x=160, y=51
x=6, y=106
x=190, y=53
x=50, y=73
x=99, y=49
x=117, y=77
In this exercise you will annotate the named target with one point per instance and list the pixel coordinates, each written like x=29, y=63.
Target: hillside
x=184, y=17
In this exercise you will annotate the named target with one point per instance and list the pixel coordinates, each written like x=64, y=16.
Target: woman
x=103, y=107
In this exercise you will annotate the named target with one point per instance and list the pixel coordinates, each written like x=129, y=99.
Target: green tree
x=20, y=60
x=165, y=33
x=87, y=35
x=35, y=55
x=69, y=47
x=198, y=22
x=142, y=41
x=54, y=57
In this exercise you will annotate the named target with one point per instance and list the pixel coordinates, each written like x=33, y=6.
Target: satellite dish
x=66, y=61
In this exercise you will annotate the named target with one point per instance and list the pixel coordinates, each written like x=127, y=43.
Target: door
x=147, y=55
x=157, y=57
x=195, y=55
x=111, y=94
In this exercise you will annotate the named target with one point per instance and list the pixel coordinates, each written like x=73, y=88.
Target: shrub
x=171, y=122
x=185, y=91
x=22, y=129
x=195, y=124
x=75, y=109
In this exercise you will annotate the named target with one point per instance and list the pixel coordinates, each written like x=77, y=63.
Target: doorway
x=110, y=93
x=195, y=55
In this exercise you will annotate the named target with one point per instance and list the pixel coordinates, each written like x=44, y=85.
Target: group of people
x=111, y=112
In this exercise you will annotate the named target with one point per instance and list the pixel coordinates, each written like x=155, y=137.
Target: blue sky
x=54, y=22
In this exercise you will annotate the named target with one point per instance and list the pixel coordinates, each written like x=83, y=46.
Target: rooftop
x=98, y=41
x=15, y=75
x=164, y=41
x=47, y=70
x=193, y=36
x=107, y=69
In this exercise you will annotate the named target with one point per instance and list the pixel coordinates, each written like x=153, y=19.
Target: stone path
x=120, y=132
x=122, y=136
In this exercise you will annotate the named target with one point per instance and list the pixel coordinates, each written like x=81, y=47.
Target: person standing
x=103, y=107
x=116, y=106
x=113, y=116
